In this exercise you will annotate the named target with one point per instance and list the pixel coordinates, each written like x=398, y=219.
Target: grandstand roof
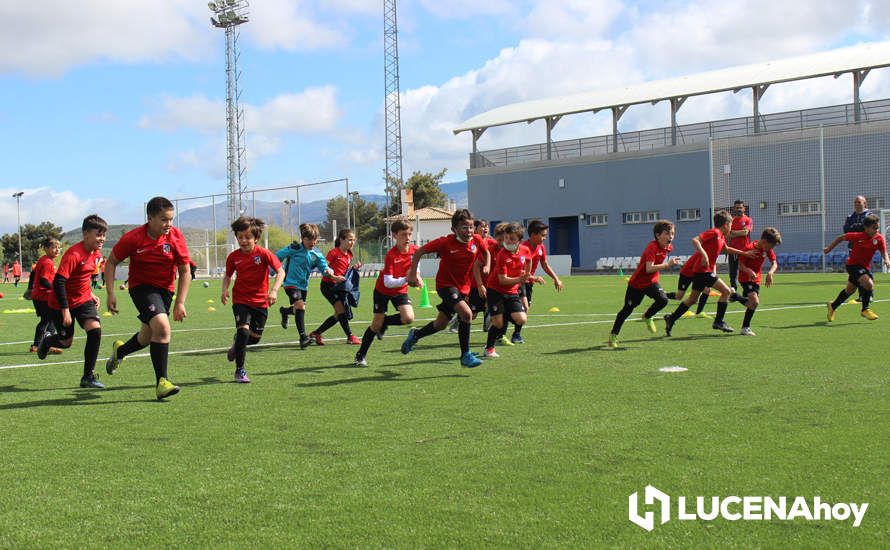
x=834, y=62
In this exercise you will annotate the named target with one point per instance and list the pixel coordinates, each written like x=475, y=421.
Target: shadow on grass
x=381, y=376
x=316, y=369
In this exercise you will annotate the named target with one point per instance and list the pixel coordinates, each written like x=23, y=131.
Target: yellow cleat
x=613, y=341
x=113, y=363
x=831, y=311
x=166, y=388
x=869, y=314
x=689, y=314
x=702, y=315
x=852, y=301
x=650, y=324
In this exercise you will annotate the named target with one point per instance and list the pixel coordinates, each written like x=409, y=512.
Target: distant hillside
x=456, y=191
x=114, y=234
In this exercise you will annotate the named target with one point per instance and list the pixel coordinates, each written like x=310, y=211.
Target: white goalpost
x=885, y=229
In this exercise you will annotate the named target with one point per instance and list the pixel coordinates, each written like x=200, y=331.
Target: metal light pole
x=18, y=208
x=288, y=204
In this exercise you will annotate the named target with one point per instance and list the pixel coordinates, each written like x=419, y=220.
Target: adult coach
x=854, y=222
x=739, y=237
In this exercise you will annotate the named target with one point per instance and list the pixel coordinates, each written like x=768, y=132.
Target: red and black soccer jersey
x=688, y=269
x=455, y=260
x=77, y=267
x=863, y=248
x=338, y=261
x=511, y=264
x=45, y=269
x=713, y=241
x=153, y=262
x=539, y=253
x=655, y=254
x=252, y=280
x=738, y=223
x=493, y=249
x=755, y=264
x=396, y=265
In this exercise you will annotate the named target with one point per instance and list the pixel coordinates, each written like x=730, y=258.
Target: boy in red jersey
x=391, y=287
x=251, y=295
x=460, y=256
x=338, y=259
x=16, y=272
x=862, y=250
x=511, y=269
x=750, y=273
x=537, y=233
x=709, y=245
x=644, y=281
x=157, y=253
x=72, y=299
x=739, y=237
x=477, y=303
x=41, y=286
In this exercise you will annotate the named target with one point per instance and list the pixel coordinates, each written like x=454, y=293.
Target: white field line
x=296, y=342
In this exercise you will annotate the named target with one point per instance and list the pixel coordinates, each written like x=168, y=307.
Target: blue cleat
x=409, y=342
x=517, y=339
x=470, y=360
x=91, y=381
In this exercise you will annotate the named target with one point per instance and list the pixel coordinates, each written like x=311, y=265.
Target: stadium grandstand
x=798, y=171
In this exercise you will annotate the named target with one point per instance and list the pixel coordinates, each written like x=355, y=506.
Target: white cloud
x=289, y=25
x=63, y=208
x=311, y=111
x=571, y=19
x=196, y=113
x=465, y=9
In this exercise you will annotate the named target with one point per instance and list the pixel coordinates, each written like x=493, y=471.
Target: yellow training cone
x=106, y=314
x=211, y=309
x=553, y=310
x=210, y=301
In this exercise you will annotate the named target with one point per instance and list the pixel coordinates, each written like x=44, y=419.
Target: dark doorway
x=563, y=237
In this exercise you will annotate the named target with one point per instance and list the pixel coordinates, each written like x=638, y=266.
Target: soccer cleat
x=746, y=331
x=283, y=311
x=503, y=340
x=113, y=363
x=490, y=353
x=360, y=361
x=668, y=324
x=452, y=325
x=304, y=341
x=722, y=326
x=33, y=349
x=43, y=346
x=470, y=360
x=650, y=324
x=613, y=341
x=91, y=381
x=409, y=342
x=55, y=351
x=241, y=376
x=517, y=339
x=689, y=314
x=165, y=389
x=381, y=332
x=353, y=339
x=831, y=312
x=869, y=314
x=853, y=301
x=319, y=341
x=702, y=315
x=230, y=354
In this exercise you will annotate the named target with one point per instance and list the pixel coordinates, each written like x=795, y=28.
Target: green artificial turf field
x=541, y=447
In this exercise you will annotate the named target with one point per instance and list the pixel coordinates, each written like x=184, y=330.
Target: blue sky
x=107, y=103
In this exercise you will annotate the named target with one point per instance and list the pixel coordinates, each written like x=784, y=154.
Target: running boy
x=750, y=273
x=299, y=260
x=537, y=233
x=459, y=257
x=71, y=299
x=16, y=272
x=339, y=259
x=391, y=287
x=511, y=269
x=862, y=249
x=251, y=295
x=644, y=281
x=709, y=244
x=157, y=253
x=41, y=281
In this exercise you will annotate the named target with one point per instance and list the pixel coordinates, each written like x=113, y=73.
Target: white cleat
x=746, y=331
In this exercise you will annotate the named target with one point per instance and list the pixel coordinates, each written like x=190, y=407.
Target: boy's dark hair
x=721, y=218
x=49, y=241
x=343, y=234
x=460, y=215
x=870, y=220
x=513, y=228
x=400, y=225
x=535, y=227
x=661, y=226
x=771, y=235
x=157, y=205
x=93, y=221
x=308, y=231
x=245, y=223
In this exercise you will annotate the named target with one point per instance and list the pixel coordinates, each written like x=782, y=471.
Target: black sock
x=367, y=340
x=620, y=318
x=241, y=337
x=702, y=300
x=463, y=336
x=344, y=324
x=328, y=323
x=721, y=311
x=749, y=313
x=91, y=351
x=656, y=306
x=392, y=320
x=865, y=296
x=285, y=311
x=671, y=295
x=493, y=335
x=159, y=353
x=300, y=316
x=130, y=346
x=516, y=329
x=681, y=309
x=841, y=298
x=39, y=331
x=426, y=331
x=251, y=340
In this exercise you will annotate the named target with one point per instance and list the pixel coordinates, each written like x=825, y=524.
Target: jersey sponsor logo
x=257, y=260
x=472, y=248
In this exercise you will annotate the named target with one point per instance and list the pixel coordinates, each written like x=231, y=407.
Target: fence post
x=822, y=187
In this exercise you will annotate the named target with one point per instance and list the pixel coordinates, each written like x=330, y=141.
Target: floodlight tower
x=392, y=116
x=228, y=14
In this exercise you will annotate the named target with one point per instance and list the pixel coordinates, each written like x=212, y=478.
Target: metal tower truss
x=392, y=115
